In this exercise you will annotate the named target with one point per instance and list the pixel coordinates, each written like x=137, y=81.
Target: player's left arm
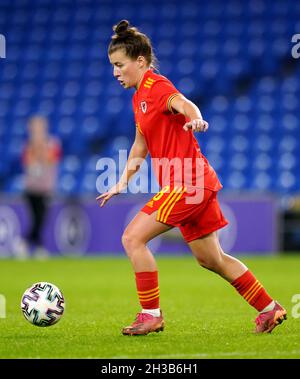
x=190, y=110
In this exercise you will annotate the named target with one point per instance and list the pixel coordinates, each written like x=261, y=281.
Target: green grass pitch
x=205, y=317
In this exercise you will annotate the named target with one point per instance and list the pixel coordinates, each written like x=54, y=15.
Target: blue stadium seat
x=67, y=184
x=71, y=164
x=262, y=181
x=15, y=184
x=88, y=184
x=235, y=181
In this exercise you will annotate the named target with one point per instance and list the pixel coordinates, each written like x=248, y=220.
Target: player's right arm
x=190, y=110
x=137, y=155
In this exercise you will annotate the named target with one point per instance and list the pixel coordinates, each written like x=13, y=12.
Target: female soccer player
x=165, y=123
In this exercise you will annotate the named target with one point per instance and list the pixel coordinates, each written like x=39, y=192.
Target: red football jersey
x=175, y=154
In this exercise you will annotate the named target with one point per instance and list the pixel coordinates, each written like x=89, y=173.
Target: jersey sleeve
x=163, y=92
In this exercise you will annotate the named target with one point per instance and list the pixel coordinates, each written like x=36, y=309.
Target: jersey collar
x=145, y=77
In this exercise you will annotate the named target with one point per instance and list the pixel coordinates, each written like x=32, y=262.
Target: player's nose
x=116, y=72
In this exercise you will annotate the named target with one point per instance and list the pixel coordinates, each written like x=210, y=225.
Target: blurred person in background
x=40, y=158
x=165, y=126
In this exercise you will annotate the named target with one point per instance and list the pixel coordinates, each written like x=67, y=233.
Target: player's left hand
x=197, y=125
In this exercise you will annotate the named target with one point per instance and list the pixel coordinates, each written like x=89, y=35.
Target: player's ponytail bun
x=122, y=29
x=132, y=41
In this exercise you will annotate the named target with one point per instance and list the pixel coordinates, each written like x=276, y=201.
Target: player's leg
x=32, y=207
x=141, y=230
x=200, y=232
x=209, y=254
x=41, y=213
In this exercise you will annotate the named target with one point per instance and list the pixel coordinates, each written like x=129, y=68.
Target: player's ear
x=141, y=61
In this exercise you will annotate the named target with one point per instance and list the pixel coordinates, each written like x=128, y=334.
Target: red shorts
x=194, y=220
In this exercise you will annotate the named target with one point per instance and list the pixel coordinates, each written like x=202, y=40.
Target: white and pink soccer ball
x=43, y=304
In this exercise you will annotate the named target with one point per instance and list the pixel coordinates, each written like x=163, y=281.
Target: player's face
x=126, y=70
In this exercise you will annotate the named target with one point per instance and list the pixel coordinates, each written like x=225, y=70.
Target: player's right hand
x=196, y=125
x=102, y=199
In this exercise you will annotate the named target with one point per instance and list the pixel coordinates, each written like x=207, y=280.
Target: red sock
x=252, y=291
x=147, y=289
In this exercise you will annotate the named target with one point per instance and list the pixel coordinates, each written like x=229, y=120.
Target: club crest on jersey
x=144, y=106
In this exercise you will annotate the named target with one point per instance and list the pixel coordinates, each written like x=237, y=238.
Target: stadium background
x=234, y=60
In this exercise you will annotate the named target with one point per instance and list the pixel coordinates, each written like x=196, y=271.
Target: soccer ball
x=43, y=304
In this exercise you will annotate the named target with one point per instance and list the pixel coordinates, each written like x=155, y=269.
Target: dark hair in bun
x=122, y=28
x=131, y=40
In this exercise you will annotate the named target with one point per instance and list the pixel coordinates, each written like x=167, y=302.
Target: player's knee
x=204, y=263
x=126, y=240
x=130, y=242
x=214, y=264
